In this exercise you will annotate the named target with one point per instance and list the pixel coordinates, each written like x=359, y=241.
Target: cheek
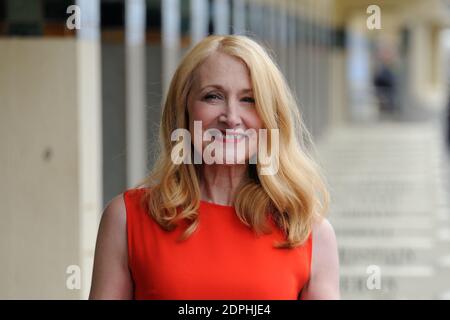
x=200, y=112
x=252, y=120
x=208, y=117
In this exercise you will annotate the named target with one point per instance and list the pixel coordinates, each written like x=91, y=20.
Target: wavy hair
x=295, y=196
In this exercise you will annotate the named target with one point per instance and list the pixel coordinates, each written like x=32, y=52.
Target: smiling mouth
x=229, y=138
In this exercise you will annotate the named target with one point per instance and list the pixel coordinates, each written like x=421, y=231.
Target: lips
x=226, y=136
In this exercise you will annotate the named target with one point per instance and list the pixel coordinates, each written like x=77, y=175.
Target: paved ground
x=389, y=183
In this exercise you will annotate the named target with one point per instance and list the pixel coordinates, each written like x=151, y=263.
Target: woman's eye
x=212, y=96
x=249, y=99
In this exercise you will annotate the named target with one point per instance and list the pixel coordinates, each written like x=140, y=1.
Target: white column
x=320, y=86
x=255, y=19
x=90, y=133
x=90, y=20
x=170, y=39
x=419, y=63
x=300, y=57
x=315, y=62
x=239, y=17
x=362, y=103
x=292, y=35
x=199, y=20
x=273, y=27
x=282, y=36
x=221, y=16
x=136, y=147
x=309, y=65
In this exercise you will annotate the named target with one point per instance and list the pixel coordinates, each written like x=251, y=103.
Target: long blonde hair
x=295, y=196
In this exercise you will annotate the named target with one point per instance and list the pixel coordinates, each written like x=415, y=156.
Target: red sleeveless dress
x=222, y=260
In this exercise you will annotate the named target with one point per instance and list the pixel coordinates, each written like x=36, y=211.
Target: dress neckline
x=216, y=205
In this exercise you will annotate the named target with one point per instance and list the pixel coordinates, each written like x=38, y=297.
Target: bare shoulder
x=324, y=277
x=323, y=233
x=112, y=229
x=113, y=219
x=324, y=244
x=115, y=209
x=111, y=278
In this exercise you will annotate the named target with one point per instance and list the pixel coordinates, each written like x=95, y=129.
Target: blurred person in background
x=220, y=230
x=385, y=82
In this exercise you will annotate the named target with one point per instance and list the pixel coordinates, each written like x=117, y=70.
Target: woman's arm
x=324, y=279
x=111, y=277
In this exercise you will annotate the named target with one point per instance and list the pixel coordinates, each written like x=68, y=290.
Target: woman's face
x=221, y=98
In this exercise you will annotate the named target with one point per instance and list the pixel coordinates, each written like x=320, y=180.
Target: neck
x=219, y=183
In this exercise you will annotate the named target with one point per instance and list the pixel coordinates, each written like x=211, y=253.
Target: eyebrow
x=218, y=86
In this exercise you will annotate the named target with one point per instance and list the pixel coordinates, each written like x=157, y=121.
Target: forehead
x=223, y=69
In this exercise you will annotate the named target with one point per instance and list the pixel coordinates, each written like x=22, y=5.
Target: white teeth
x=232, y=136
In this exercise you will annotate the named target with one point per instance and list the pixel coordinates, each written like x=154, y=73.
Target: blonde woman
x=213, y=224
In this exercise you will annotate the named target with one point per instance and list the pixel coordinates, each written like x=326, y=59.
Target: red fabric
x=223, y=259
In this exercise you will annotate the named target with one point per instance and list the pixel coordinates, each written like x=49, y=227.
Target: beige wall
x=40, y=169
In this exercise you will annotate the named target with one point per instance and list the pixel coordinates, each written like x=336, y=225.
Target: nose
x=231, y=116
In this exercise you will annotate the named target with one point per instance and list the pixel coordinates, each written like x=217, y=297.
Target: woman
x=222, y=229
